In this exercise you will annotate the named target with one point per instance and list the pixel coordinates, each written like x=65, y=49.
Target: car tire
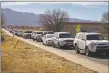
x=54, y=45
x=33, y=39
x=46, y=43
x=88, y=52
x=76, y=49
x=59, y=46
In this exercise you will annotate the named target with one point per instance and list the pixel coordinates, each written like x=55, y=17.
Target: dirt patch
x=20, y=57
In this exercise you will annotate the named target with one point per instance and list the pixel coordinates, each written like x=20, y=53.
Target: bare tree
x=105, y=21
x=54, y=20
x=2, y=20
x=105, y=17
x=105, y=25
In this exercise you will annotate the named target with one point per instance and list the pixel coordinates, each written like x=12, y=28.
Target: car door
x=57, y=40
x=35, y=35
x=79, y=41
x=43, y=38
x=54, y=38
x=32, y=34
x=82, y=41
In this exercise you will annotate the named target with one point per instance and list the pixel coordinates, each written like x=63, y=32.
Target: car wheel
x=46, y=43
x=76, y=49
x=88, y=52
x=54, y=45
x=43, y=43
x=59, y=46
x=33, y=39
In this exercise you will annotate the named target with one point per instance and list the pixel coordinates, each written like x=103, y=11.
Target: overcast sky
x=81, y=10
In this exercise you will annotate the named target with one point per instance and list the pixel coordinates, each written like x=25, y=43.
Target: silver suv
x=27, y=34
x=62, y=39
x=47, y=32
x=37, y=35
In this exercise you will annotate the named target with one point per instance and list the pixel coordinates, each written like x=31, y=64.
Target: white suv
x=37, y=35
x=47, y=39
x=90, y=43
x=62, y=39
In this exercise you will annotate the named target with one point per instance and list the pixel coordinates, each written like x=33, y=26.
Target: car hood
x=98, y=41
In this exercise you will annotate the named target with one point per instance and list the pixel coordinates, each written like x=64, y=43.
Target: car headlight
x=63, y=41
x=93, y=44
x=49, y=40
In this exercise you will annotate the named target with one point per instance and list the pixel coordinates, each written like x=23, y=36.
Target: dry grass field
x=20, y=57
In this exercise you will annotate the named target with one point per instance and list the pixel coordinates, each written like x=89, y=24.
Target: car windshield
x=50, y=36
x=48, y=33
x=95, y=37
x=65, y=36
x=28, y=31
x=39, y=32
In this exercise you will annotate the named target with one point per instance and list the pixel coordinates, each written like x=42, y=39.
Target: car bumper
x=39, y=39
x=49, y=42
x=102, y=50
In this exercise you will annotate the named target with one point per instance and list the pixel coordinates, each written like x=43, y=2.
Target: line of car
x=89, y=42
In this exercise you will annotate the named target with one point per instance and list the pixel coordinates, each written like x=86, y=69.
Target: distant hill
x=20, y=18
x=25, y=18
x=80, y=20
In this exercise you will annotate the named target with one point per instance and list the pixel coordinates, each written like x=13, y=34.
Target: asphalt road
x=101, y=58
